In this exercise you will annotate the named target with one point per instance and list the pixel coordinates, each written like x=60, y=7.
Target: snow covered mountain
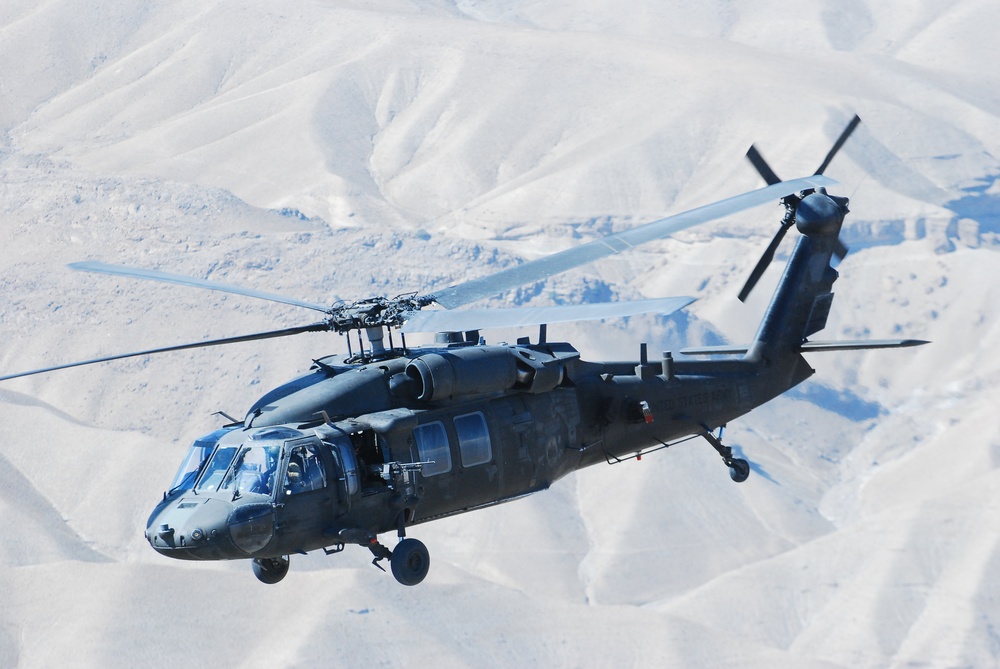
x=331, y=149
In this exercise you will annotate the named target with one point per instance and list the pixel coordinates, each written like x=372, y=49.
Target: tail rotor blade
x=840, y=250
x=763, y=169
x=757, y=160
x=839, y=143
x=765, y=260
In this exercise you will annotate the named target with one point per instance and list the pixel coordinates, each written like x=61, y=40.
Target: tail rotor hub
x=820, y=214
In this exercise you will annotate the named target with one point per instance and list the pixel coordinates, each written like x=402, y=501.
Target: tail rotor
x=791, y=203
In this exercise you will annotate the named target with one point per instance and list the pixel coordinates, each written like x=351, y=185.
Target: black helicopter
x=387, y=437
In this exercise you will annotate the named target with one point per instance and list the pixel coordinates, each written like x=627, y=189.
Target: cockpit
x=260, y=491
x=225, y=462
x=249, y=469
x=230, y=486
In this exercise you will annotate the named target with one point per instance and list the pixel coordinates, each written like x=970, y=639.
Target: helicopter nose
x=191, y=529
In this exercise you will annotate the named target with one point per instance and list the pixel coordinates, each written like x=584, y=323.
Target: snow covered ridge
x=429, y=141
x=416, y=117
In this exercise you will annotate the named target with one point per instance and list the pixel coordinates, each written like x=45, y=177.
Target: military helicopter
x=387, y=437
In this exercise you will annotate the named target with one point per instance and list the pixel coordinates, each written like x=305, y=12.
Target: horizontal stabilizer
x=714, y=350
x=810, y=346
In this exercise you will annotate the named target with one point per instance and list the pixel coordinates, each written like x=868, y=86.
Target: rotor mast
x=374, y=316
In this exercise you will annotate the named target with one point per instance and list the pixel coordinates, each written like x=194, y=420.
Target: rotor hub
x=374, y=312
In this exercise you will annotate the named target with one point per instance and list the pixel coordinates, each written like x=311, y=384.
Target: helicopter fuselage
x=445, y=430
x=356, y=448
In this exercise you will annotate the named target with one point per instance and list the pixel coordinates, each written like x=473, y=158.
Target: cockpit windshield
x=253, y=470
x=216, y=468
x=223, y=462
x=187, y=473
x=241, y=469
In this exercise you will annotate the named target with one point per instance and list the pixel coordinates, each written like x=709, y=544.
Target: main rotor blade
x=475, y=319
x=543, y=268
x=762, y=264
x=315, y=327
x=839, y=143
x=155, y=275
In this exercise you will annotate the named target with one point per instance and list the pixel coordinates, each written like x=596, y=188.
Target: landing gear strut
x=739, y=469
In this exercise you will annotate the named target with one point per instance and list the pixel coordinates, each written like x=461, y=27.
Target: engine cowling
x=482, y=370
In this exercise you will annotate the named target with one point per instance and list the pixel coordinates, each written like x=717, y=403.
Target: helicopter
x=387, y=436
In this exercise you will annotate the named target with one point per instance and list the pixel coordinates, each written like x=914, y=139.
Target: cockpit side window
x=188, y=471
x=305, y=470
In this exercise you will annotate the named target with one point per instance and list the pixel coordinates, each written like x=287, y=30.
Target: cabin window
x=473, y=439
x=432, y=447
x=305, y=470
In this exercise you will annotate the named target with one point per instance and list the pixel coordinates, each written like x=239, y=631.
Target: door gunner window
x=432, y=447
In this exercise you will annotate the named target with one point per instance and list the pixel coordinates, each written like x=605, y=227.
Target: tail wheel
x=270, y=570
x=739, y=470
x=410, y=561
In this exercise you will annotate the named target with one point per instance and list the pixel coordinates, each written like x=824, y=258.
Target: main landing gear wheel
x=410, y=561
x=739, y=470
x=270, y=570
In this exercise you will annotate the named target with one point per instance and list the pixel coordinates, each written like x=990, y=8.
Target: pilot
x=295, y=472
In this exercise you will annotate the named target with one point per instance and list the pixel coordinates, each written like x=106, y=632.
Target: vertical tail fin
x=801, y=302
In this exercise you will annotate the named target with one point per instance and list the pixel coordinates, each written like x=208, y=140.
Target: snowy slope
x=331, y=150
